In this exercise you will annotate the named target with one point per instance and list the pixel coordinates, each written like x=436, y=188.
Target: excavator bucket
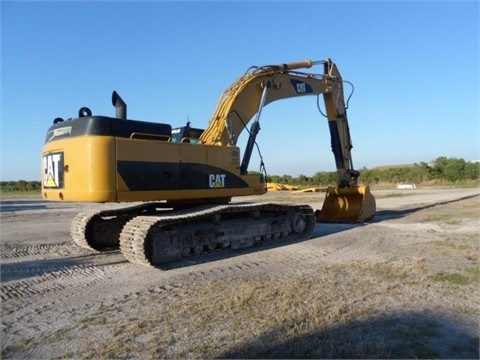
x=347, y=205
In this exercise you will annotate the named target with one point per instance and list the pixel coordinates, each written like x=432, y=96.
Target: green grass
x=393, y=195
x=452, y=278
x=19, y=193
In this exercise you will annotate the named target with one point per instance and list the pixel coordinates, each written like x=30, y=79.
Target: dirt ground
x=405, y=284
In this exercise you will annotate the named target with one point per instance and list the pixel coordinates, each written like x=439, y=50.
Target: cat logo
x=216, y=181
x=301, y=87
x=53, y=170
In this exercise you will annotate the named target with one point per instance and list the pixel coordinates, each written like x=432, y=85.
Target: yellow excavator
x=183, y=179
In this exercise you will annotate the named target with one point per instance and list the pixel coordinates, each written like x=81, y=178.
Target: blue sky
x=414, y=64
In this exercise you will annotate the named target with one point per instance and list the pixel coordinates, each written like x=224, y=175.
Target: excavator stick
x=347, y=205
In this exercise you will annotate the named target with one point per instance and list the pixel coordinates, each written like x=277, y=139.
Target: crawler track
x=100, y=230
x=156, y=240
x=151, y=235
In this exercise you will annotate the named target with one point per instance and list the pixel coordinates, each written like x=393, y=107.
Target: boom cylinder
x=254, y=129
x=295, y=65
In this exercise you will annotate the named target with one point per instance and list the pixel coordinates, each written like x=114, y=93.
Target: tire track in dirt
x=35, y=250
x=40, y=280
x=34, y=269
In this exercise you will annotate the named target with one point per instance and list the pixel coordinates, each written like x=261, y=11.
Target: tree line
x=442, y=169
x=20, y=186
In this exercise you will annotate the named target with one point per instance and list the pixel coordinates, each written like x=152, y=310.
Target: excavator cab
x=186, y=134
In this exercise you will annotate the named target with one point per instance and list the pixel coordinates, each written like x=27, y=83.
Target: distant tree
x=453, y=169
x=286, y=179
x=19, y=186
x=303, y=179
x=22, y=185
x=439, y=165
x=325, y=178
x=472, y=170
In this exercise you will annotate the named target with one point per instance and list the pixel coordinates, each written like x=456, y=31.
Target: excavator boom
x=348, y=202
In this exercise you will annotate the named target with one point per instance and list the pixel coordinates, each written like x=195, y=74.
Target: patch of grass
x=452, y=222
x=384, y=271
x=474, y=272
x=21, y=345
x=439, y=217
x=475, y=342
x=93, y=320
x=392, y=195
x=19, y=192
x=99, y=317
x=424, y=351
x=464, y=243
x=423, y=330
x=452, y=278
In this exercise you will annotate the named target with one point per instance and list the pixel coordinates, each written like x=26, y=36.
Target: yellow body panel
x=109, y=169
x=86, y=163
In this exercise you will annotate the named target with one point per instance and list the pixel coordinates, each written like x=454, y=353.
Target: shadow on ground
x=20, y=205
x=404, y=335
x=394, y=214
x=24, y=205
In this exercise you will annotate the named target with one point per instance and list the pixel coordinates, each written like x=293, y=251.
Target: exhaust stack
x=120, y=106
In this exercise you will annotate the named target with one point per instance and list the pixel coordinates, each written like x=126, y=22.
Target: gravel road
x=48, y=283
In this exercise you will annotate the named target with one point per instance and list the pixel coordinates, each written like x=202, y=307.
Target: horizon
x=380, y=167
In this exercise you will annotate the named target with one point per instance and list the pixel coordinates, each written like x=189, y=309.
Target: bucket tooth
x=347, y=205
